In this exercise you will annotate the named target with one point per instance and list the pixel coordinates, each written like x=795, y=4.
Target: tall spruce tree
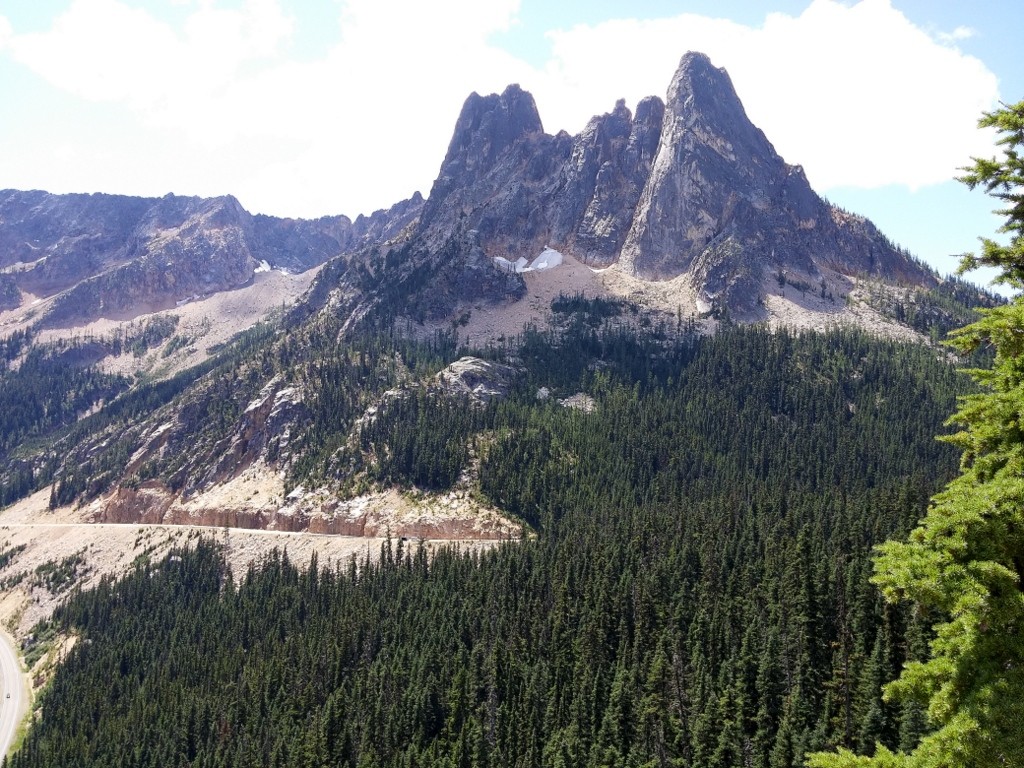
x=963, y=567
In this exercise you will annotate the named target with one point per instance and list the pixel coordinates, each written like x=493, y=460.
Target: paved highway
x=12, y=684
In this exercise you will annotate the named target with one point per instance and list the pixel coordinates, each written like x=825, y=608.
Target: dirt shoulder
x=45, y=553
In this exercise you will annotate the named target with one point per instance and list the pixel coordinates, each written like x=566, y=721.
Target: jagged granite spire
x=721, y=206
x=713, y=171
x=609, y=165
x=488, y=127
x=685, y=187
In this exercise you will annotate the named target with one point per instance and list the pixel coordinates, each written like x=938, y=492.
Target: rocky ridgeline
x=236, y=477
x=684, y=188
x=119, y=257
x=688, y=186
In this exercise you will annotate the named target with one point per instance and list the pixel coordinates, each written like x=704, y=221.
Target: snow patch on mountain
x=548, y=259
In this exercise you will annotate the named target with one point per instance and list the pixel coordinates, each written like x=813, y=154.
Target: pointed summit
x=487, y=129
x=713, y=170
x=488, y=125
x=701, y=96
x=603, y=179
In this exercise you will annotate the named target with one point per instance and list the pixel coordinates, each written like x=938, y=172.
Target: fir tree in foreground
x=963, y=567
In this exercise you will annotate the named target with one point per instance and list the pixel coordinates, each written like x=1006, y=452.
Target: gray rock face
x=604, y=177
x=180, y=248
x=722, y=206
x=455, y=273
x=116, y=256
x=499, y=171
x=383, y=225
x=487, y=127
x=685, y=187
x=713, y=170
x=480, y=380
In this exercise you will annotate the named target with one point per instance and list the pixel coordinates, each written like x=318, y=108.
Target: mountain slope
x=75, y=258
x=686, y=195
x=696, y=596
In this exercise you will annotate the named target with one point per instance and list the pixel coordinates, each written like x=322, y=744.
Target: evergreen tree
x=965, y=562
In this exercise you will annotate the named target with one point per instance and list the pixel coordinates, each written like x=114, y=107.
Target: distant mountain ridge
x=192, y=414
x=118, y=256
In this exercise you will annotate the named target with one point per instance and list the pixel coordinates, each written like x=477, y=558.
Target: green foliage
x=53, y=433
x=39, y=643
x=48, y=391
x=7, y=554
x=936, y=311
x=963, y=566
x=139, y=338
x=420, y=439
x=1003, y=179
x=593, y=310
x=13, y=345
x=58, y=576
x=10, y=296
x=696, y=595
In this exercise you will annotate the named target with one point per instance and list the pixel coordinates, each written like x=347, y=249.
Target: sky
x=303, y=108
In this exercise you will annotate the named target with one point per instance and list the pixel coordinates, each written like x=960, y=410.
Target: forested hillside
x=696, y=593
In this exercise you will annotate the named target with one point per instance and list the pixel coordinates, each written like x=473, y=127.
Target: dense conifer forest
x=694, y=591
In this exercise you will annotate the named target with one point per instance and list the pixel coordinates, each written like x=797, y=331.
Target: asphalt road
x=13, y=684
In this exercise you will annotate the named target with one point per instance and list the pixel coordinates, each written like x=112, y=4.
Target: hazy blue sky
x=310, y=108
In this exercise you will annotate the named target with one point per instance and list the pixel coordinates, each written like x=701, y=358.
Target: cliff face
x=688, y=187
x=723, y=207
x=452, y=516
x=118, y=257
x=683, y=188
x=236, y=478
x=603, y=180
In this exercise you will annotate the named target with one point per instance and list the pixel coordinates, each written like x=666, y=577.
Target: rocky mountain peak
x=489, y=125
x=81, y=257
x=704, y=108
x=647, y=126
x=713, y=171
x=483, y=147
x=685, y=187
x=688, y=186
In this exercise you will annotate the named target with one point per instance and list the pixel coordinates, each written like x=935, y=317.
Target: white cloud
x=106, y=50
x=5, y=32
x=856, y=94
x=960, y=33
x=352, y=131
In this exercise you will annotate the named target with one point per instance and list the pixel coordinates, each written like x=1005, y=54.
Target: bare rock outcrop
x=238, y=503
x=722, y=206
x=479, y=380
x=603, y=179
x=685, y=187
